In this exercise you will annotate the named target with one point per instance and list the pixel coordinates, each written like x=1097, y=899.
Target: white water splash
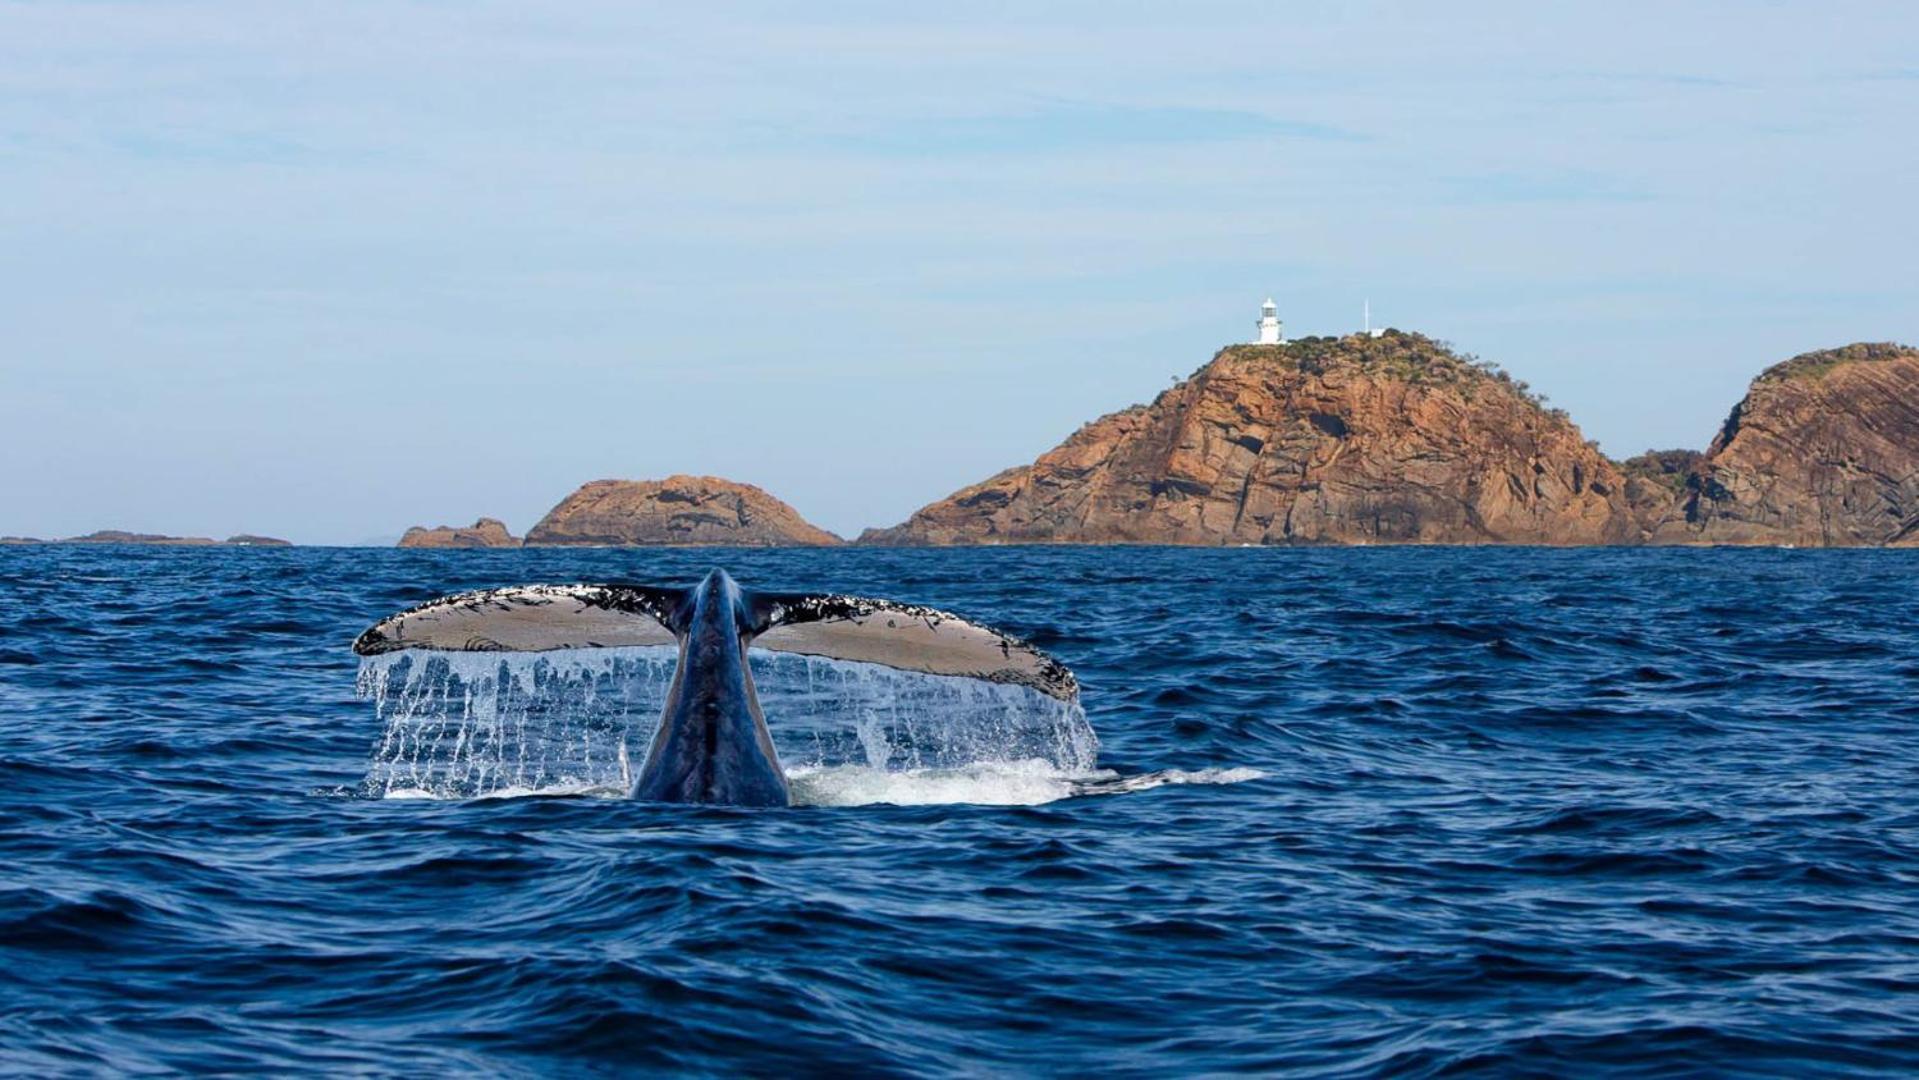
x=577, y=721
x=827, y=712
x=466, y=725
x=1019, y=783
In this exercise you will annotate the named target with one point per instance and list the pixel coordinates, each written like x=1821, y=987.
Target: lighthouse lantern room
x=1270, y=331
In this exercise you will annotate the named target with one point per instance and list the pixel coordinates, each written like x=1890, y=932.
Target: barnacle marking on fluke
x=614, y=597
x=664, y=606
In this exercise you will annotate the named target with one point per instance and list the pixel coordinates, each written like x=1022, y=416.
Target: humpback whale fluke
x=712, y=745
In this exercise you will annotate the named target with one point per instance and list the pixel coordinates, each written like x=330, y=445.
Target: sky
x=327, y=270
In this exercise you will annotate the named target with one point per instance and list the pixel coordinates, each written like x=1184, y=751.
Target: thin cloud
x=1519, y=187
x=1065, y=128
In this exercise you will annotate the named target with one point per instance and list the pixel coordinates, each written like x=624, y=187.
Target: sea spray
x=461, y=725
x=826, y=712
x=465, y=725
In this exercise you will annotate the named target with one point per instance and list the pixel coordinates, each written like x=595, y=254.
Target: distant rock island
x=1394, y=438
x=120, y=536
x=484, y=533
x=679, y=510
x=694, y=510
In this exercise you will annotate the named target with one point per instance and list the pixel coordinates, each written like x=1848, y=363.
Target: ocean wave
x=1413, y=812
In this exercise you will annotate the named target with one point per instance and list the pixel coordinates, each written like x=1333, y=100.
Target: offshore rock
x=1823, y=451
x=121, y=536
x=695, y=510
x=1352, y=440
x=484, y=533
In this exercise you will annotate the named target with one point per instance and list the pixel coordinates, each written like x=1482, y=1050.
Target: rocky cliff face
x=1392, y=439
x=484, y=533
x=677, y=510
x=1656, y=481
x=1824, y=450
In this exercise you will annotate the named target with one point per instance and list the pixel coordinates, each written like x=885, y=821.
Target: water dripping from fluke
x=577, y=722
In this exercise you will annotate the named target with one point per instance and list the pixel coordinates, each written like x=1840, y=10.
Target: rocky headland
x=1351, y=440
x=485, y=533
x=1823, y=451
x=1395, y=438
x=679, y=510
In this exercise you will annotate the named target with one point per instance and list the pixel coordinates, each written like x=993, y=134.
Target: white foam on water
x=1020, y=783
x=1112, y=783
x=1017, y=783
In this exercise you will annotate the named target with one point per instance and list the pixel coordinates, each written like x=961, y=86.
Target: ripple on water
x=1409, y=812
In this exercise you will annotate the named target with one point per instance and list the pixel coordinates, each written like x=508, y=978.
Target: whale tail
x=537, y=618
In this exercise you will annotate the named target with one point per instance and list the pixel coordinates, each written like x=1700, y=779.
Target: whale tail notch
x=537, y=618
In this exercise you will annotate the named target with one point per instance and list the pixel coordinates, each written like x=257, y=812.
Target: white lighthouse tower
x=1270, y=332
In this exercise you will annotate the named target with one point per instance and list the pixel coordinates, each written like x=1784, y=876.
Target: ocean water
x=1405, y=812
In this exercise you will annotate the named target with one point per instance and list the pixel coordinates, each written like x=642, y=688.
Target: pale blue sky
x=327, y=270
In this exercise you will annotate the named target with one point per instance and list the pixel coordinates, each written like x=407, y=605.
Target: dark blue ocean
x=1401, y=812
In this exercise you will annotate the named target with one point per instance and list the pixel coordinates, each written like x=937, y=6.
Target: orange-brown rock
x=1823, y=451
x=1393, y=439
x=484, y=533
x=1656, y=481
x=677, y=510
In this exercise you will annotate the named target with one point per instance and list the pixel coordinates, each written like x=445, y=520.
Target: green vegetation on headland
x=1816, y=365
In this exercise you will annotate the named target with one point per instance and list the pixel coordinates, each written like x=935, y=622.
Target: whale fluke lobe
x=531, y=618
x=537, y=618
x=905, y=636
x=712, y=745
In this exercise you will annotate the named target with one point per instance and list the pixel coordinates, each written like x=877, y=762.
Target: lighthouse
x=1270, y=332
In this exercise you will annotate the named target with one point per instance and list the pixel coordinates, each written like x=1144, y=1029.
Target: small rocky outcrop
x=693, y=510
x=121, y=536
x=1358, y=439
x=484, y=533
x=1823, y=451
